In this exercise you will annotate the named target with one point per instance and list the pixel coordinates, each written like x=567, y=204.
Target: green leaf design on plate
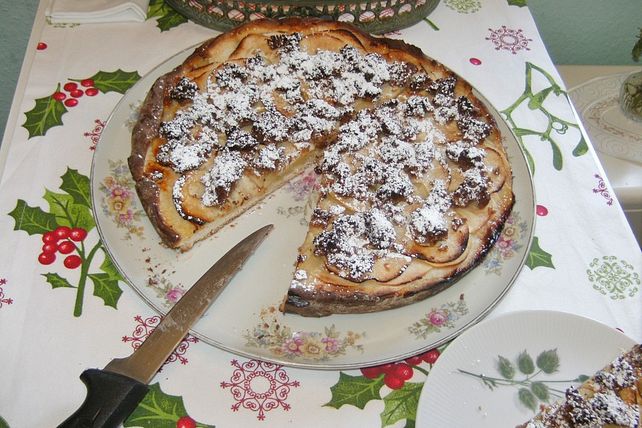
x=77, y=185
x=527, y=398
x=46, y=114
x=159, y=410
x=582, y=378
x=548, y=361
x=32, y=220
x=505, y=367
x=3, y=423
x=168, y=18
x=520, y=3
x=538, y=257
x=540, y=390
x=355, y=390
x=401, y=404
x=115, y=81
x=525, y=363
x=106, y=288
x=57, y=281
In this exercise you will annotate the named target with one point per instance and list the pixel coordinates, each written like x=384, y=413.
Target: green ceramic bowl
x=371, y=16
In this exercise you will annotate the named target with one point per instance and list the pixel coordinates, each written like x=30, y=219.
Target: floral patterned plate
x=245, y=319
x=500, y=371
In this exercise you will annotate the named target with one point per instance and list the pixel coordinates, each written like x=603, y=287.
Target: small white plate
x=245, y=319
x=453, y=398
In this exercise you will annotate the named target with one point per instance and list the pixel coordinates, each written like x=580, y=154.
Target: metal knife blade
x=115, y=391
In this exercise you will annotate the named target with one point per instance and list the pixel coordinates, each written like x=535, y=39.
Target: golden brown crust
x=423, y=269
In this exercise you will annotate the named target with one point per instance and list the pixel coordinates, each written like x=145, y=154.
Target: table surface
x=583, y=259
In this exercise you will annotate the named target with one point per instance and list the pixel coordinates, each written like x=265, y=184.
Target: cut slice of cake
x=415, y=182
x=610, y=398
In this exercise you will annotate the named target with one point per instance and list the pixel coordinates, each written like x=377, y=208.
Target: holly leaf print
x=77, y=185
x=110, y=269
x=57, y=281
x=401, y=404
x=168, y=18
x=32, y=220
x=67, y=212
x=115, y=81
x=106, y=288
x=355, y=390
x=46, y=114
x=520, y=3
x=538, y=257
x=159, y=410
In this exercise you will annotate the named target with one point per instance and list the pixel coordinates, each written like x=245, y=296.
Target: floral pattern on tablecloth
x=602, y=190
x=145, y=327
x=614, y=277
x=259, y=387
x=4, y=299
x=464, y=6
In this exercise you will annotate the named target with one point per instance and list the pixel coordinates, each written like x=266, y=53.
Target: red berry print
x=431, y=356
x=50, y=248
x=46, y=258
x=541, y=211
x=87, y=83
x=392, y=381
x=41, y=46
x=90, y=92
x=77, y=234
x=70, y=86
x=65, y=247
x=185, y=422
x=59, y=96
x=76, y=93
x=475, y=61
x=62, y=232
x=403, y=371
x=387, y=368
x=49, y=238
x=71, y=102
x=72, y=262
x=414, y=361
x=371, y=372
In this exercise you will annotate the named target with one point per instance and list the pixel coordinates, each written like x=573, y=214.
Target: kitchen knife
x=114, y=392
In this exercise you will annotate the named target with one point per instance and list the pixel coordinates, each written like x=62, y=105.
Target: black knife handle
x=111, y=398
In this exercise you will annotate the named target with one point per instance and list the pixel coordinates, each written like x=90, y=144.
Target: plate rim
x=311, y=364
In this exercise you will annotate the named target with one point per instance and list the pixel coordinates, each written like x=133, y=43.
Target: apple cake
x=415, y=183
x=611, y=398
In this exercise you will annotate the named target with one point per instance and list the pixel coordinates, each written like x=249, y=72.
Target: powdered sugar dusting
x=257, y=115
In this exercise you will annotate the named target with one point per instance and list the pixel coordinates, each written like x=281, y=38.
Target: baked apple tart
x=415, y=184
